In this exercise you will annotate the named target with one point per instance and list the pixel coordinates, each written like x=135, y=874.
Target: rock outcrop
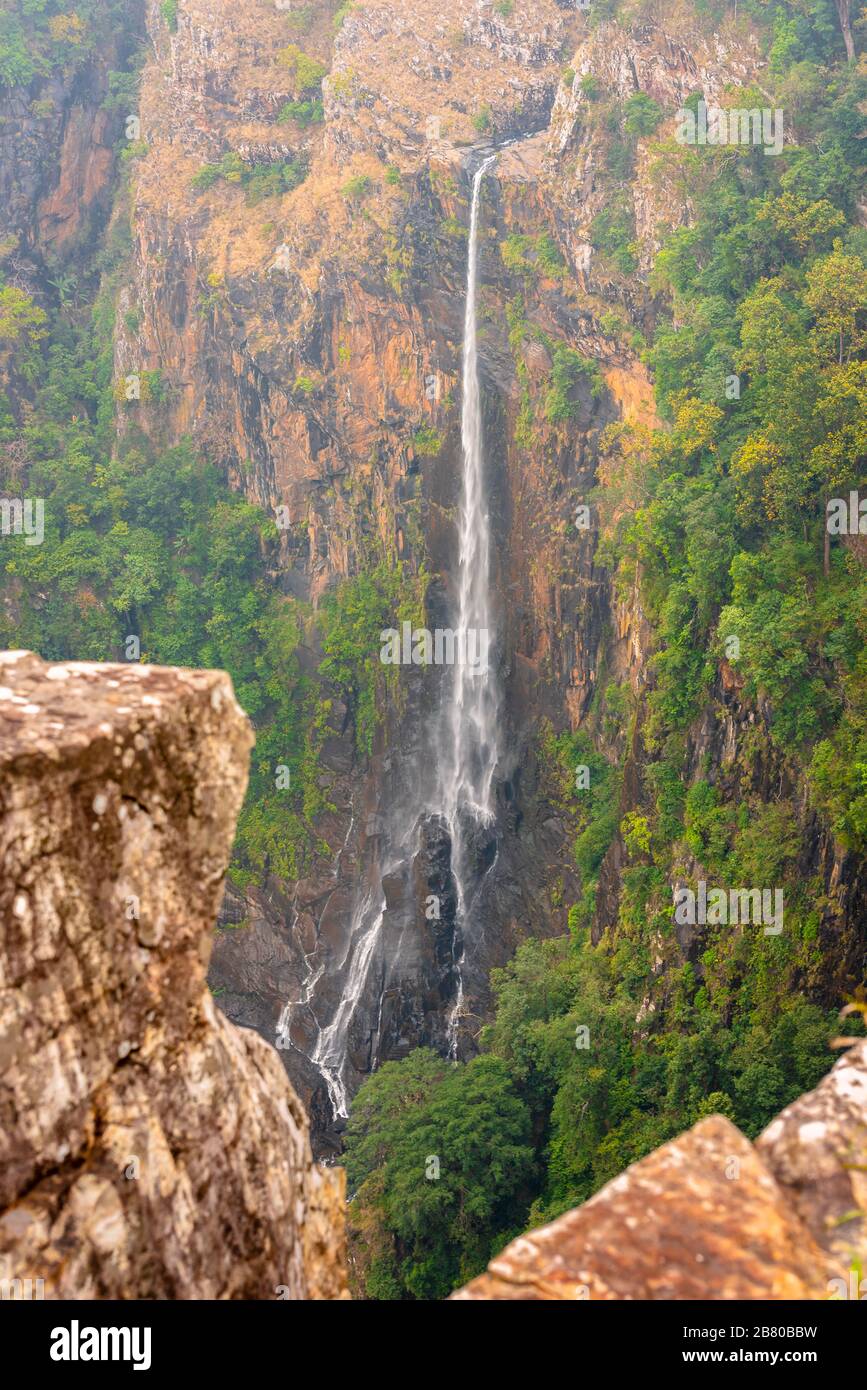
x=711, y=1216
x=148, y=1147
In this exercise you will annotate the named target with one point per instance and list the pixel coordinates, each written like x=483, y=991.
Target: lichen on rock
x=150, y=1149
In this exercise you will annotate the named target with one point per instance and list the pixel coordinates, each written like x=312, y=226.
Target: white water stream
x=467, y=745
x=469, y=737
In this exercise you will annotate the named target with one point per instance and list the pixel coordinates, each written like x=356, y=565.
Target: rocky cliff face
x=150, y=1149
x=60, y=134
x=303, y=339
x=674, y=1226
x=303, y=343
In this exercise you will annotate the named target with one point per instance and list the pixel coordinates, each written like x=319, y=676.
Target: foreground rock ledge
x=712, y=1216
x=148, y=1148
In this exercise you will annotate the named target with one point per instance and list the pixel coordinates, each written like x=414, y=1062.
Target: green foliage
x=273, y=180
x=341, y=15
x=635, y=830
x=482, y=120
x=306, y=73
x=39, y=37
x=20, y=317
x=707, y=826
x=299, y=18
x=569, y=367
x=357, y=187
x=169, y=12
x=426, y=442
x=567, y=1092
x=17, y=66
x=353, y=617
x=436, y=1155
x=641, y=114
x=303, y=113
x=451, y=227
x=612, y=231
x=258, y=180
x=592, y=809
x=532, y=255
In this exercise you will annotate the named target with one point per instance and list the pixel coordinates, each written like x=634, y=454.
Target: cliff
x=150, y=1149
x=308, y=339
x=261, y=466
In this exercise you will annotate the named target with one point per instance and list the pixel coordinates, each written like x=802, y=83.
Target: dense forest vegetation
x=718, y=518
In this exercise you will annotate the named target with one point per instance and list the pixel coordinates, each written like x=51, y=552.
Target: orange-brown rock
x=700, y=1218
x=148, y=1147
x=817, y=1148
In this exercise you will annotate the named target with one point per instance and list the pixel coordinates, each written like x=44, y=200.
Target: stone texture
x=700, y=1218
x=817, y=1148
x=148, y=1147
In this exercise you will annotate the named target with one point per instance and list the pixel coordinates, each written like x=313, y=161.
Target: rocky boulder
x=148, y=1147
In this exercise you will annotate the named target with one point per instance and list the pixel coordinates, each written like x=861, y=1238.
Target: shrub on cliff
x=306, y=73
x=258, y=180
x=568, y=368
x=169, y=12
x=641, y=114
x=303, y=113
x=357, y=187
x=426, y=442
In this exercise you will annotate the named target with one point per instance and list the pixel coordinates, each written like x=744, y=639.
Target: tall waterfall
x=470, y=709
x=460, y=791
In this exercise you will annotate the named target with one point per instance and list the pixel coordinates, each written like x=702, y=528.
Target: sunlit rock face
x=150, y=1149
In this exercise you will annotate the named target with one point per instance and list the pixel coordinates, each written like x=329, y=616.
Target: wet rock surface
x=148, y=1147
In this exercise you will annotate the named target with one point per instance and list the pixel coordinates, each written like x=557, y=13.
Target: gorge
x=325, y=321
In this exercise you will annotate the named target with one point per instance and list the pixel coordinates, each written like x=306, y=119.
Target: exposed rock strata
x=148, y=1147
x=359, y=298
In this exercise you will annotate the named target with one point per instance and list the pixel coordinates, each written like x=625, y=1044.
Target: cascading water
x=467, y=747
x=469, y=735
x=329, y=1054
x=470, y=711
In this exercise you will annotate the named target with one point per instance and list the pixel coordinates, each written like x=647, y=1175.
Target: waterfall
x=461, y=792
x=470, y=710
x=469, y=747
x=329, y=1055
